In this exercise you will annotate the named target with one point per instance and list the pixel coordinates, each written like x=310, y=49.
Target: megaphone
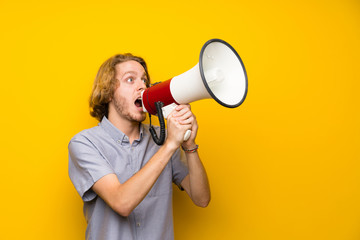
x=220, y=74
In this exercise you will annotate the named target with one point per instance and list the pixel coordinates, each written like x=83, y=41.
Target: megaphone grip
x=187, y=135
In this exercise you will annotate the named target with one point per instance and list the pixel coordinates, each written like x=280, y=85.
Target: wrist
x=189, y=145
x=190, y=150
x=170, y=146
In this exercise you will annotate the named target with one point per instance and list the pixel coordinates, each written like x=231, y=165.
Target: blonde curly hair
x=105, y=84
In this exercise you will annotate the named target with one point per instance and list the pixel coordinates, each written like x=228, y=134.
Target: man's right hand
x=176, y=130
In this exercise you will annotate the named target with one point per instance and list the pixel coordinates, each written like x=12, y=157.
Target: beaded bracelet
x=190, y=150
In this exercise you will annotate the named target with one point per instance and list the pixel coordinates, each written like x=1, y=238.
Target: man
x=123, y=177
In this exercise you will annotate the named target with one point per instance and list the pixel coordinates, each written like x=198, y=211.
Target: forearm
x=123, y=198
x=199, y=189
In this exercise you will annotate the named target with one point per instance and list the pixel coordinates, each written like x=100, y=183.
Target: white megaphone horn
x=220, y=74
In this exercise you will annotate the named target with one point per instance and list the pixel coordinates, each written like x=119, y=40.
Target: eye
x=130, y=79
x=144, y=80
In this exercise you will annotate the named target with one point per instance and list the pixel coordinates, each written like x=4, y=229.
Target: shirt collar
x=116, y=134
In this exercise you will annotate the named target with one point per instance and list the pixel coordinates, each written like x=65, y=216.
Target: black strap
x=158, y=140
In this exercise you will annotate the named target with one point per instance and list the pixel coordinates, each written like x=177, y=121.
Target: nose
x=141, y=85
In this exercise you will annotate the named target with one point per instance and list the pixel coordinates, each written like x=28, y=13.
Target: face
x=126, y=101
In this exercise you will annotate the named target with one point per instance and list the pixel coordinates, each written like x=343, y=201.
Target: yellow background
x=284, y=165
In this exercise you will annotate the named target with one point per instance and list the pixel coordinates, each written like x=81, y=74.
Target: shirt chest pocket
x=163, y=185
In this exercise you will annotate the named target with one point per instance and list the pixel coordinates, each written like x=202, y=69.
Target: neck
x=129, y=128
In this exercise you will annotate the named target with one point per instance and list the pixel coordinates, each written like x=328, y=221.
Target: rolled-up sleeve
x=86, y=166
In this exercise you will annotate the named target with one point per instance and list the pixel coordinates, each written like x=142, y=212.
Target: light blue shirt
x=104, y=149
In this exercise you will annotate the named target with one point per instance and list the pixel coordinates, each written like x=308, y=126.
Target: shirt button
x=119, y=141
x=138, y=224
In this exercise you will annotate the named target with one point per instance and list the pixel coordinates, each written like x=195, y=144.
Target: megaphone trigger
x=187, y=135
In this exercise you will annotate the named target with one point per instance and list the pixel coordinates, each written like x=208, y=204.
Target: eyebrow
x=133, y=72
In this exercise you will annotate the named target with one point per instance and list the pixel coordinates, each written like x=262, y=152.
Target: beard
x=123, y=111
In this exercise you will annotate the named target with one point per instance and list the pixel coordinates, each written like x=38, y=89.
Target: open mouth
x=138, y=102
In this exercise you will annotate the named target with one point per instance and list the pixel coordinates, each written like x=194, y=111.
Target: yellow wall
x=284, y=165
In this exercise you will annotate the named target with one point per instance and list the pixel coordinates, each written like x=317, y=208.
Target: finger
x=183, y=106
x=186, y=126
x=189, y=120
x=183, y=112
x=186, y=117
